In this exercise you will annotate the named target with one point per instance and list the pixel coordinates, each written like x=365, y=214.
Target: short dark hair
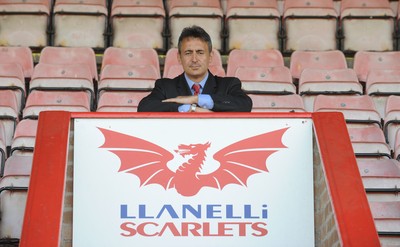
x=195, y=32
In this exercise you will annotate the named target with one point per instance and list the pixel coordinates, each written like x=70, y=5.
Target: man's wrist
x=193, y=107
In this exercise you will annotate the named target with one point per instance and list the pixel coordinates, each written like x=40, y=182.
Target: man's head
x=194, y=54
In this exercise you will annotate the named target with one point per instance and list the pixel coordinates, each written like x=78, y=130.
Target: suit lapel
x=210, y=85
x=182, y=86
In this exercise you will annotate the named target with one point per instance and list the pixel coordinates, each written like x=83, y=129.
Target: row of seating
x=256, y=24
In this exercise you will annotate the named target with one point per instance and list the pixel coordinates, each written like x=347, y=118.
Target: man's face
x=195, y=58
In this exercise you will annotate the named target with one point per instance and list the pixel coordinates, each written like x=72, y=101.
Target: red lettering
x=196, y=227
x=141, y=230
x=258, y=227
x=171, y=227
x=128, y=227
x=222, y=228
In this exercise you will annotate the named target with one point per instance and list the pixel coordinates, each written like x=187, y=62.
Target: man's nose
x=194, y=57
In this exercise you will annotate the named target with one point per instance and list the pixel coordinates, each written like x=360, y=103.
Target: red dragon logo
x=148, y=161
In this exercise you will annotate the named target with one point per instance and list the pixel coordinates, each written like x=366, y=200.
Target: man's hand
x=193, y=99
x=199, y=109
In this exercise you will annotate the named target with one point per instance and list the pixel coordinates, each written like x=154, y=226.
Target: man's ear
x=178, y=56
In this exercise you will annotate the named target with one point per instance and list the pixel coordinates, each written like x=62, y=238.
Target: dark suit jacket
x=226, y=93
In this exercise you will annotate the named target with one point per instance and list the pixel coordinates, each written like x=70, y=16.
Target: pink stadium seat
x=70, y=55
x=369, y=141
x=24, y=23
x=327, y=81
x=381, y=84
x=365, y=61
x=392, y=119
x=252, y=24
x=173, y=68
x=386, y=216
x=3, y=147
x=397, y=145
x=380, y=175
x=80, y=23
x=367, y=25
x=19, y=55
x=355, y=108
x=266, y=80
x=129, y=69
x=205, y=13
x=13, y=192
x=253, y=58
x=309, y=25
x=138, y=24
x=12, y=78
x=55, y=101
x=277, y=103
x=24, y=136
x=300, y=60
x=8, y=113
x=120, y=101
x=68, y=77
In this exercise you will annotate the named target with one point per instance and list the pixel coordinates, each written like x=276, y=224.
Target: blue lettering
x=229, y=212
x=142, y=212
x=170, y=210
x=211, y=211
x=247, y=212
x=192, y=210
x=124, y=212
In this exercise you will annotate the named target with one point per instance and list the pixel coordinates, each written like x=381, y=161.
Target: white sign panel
x=193, y=182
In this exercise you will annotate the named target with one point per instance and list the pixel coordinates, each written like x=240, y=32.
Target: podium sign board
x=193, y=182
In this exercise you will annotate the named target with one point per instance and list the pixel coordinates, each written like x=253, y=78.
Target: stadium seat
x=309, y=25
x=381, y=175
x=387, y=217
x=119, y=101
x=266, y=80
x=129, y=69
x=3, y=147
x=70, y=55
x=365, y=61
x=20, y=55
x=313, y=82
x=173, y=68
x=13, y=192
x=12, y=78
x=300, y=60
x=63, y=77
x=55, y=101
x=381, y=84
x=24, y=23
x=367, y=25
x=277, y=103
x=138, y=24
x=397, y=145
x=357, y=109
x=253, y=58
x=8, y=113
x=80, y=23
x=205, y=13
x=392, y=119
x=252, y=24
x=369, y=141
x=24, y=136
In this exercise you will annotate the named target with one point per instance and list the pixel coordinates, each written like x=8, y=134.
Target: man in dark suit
x=196, y=90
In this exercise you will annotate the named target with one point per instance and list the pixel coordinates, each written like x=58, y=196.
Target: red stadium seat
x=277, y=103
x=369, y=141
x=397, y=145
x=365, y=61
x=380, y=175
x=63, y=77
x=367, y=25
x=266, y=80
x=355, y=108
x=386, y=216
x=13, y=192
x=24, y=23
x=55, y=101
x=80, y=23
x=381, y=84
x=19, y=55
x=252, y=24
x=129, y=69
x=205, y=13
x=24, y=136
x=173, y=68
x=8, y=113
x=253, y=58
x=138, y=24
x=12, y=78
x=120, y=101
x=313, y=82
x=70, y=55
x=3, y=147
x=392, y=119
x=309, y=25
x=300, y=60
